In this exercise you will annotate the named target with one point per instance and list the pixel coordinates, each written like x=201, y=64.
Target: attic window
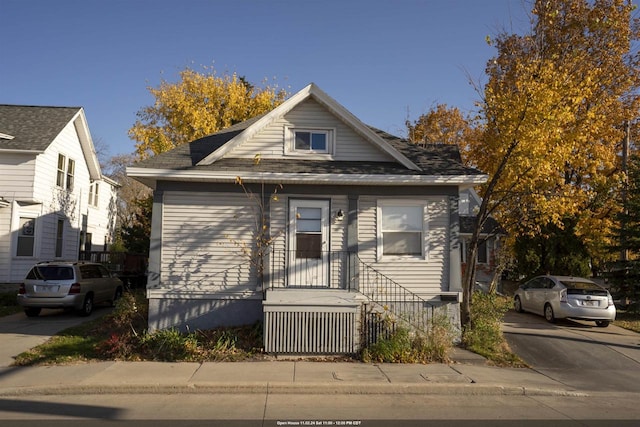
x=310, y=141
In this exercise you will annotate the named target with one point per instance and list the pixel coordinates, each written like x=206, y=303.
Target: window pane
x=464, y=204
x=70, y=172
x=60, y=176
x=402, y=243
x=303, y=140
x=308, y=245
x=402, y=218
x=482, y=252
x=308, y=220
x=25, y=246
x=319, y=142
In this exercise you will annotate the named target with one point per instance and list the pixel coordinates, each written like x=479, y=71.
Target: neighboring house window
x=59, y=238
x=483, y=256
x=402, y=228
x=26, y=237
x=310, y=141
x=71, y=167
x=94, y=190
x=66, y=172
x=62, y=161
x=464, y=204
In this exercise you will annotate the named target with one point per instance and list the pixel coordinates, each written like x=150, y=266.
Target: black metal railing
x=389, y=301
x=310, y=269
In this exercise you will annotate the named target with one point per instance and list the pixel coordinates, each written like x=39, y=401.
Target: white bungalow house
x=350, y=220
x=54, y=200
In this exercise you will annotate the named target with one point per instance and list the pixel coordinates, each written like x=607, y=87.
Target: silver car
x=563, y=297
x=68, y=285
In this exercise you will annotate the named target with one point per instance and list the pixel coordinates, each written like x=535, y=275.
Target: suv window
x=103, y=271
x=51, y=272
x=90, y=272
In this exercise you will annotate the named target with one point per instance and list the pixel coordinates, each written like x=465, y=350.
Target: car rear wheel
x=602, y=323
x=548, y=313
x=116, y=296
x=32, y=312
x=87, y=306
x=517, y=304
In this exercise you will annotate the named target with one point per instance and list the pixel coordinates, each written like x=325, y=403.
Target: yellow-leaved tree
x=552, y=115
x=199, y=104
x=440, y=125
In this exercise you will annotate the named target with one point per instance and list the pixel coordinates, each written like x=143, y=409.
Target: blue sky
x=385, y=61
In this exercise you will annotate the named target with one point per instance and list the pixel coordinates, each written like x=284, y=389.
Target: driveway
x=576, y=353
x=19, y=333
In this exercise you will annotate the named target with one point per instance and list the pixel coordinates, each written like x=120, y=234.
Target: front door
x=308, y=254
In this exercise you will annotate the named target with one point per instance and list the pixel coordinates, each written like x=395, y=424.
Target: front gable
x=276, y=141
x=282, y=112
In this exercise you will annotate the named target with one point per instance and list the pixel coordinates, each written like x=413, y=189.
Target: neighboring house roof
x=33, y=128
x=211, y=157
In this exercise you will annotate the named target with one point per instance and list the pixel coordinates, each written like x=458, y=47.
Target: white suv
x=69, y=285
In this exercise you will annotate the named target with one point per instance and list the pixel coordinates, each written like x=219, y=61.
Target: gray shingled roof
x=32, y=127
x=435, y=159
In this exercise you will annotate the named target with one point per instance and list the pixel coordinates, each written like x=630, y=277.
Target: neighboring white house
x=357, y=223
x=54, y=200
x=487, y=272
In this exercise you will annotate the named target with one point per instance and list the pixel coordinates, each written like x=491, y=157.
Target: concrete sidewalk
x=468, y=376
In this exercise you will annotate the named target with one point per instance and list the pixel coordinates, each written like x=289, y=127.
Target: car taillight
x=75, y=288
x=610, y=300
x=22, y=290
x=563, y=296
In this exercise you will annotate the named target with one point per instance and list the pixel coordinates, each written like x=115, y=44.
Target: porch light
x=339, y=214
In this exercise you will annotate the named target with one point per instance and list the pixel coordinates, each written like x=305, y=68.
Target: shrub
x=410, y=346
x=485, y=336
x=170, y=345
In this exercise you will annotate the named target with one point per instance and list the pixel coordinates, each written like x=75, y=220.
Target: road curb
x=288, y=388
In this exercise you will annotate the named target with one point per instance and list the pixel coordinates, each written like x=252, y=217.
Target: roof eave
x=146, y=176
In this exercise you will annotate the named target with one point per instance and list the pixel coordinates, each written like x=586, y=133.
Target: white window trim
x=66, y=173
x=36, y=230
x=94, y=191
x=425, y=230
x=289, y=142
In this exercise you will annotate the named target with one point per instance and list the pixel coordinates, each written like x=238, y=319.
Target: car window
x=89, y=272
x=584, y=288
x=547, y=283
x=103, y=271
x=51, y=272
x=533, y=284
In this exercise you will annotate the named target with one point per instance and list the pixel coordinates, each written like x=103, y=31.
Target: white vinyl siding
x=29, y=181
x=5, y=242
x=17, y=174
x=203, y=240
x=309, y=115
x=419, y=275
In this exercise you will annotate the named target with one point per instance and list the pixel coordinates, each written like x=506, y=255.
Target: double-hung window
x=26, y=237
x=66, y=172
x=94, y=189
x=402, y=229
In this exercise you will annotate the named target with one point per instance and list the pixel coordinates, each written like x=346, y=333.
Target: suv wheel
x=116, y=296
x=32, y=312
x=87, y=306
x=602, y=323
